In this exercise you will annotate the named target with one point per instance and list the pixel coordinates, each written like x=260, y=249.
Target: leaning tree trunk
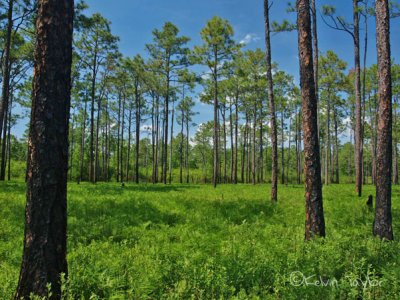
x=383, y=214
x=274, y=136
x=45, y=242
x=315, y=223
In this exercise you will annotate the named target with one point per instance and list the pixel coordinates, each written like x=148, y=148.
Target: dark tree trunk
x=223, y=113
x=6, y=71
x=187, y=148
x=232, y=145
x=4, y=147
x=253, y=149
x=357, y=87
x=181, y=148
x=289, y=150
x=96, y=149
x=282, y=149
x=121, y=151
x=335, y=117
x=171, y=146
x=45, y=242
x=165, y=145
x=261, y=164
x=315, y=224
x=236, y=138
x=118, y=136
x=244, y=147
x=316, y=55
x=395, y=149
x=82, y=154
x=128, y=153
x=274, y=135
x=71, y=152
x=9, y=144
x=328, y=139
x=216, y=124
x=383, y=214
x=153, y=140
x=93, y=96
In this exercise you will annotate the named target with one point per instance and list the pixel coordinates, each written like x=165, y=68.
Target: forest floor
x=193, y=241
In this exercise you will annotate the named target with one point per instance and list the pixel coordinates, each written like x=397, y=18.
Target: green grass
x=196, y=242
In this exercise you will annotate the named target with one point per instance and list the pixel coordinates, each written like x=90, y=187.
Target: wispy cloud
x=249, y=38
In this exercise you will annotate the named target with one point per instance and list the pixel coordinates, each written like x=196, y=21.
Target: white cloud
x=249, y=38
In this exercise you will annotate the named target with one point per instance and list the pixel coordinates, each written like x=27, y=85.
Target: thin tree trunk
x=253, y=149
x=181, y=148
x=128, y=154
x=171, y=146
x=187, y=148
x=274, y=134
x=316, y=56
x=357, y=88
x=282, y=149
x=236, y=138
x=118, y=136
x=6, y=69
x=216, y=125
x=328, y=139
x=395, y=149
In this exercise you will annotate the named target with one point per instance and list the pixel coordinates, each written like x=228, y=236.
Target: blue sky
x=134, y=20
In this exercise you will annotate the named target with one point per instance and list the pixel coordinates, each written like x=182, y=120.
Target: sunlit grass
x=193, y=241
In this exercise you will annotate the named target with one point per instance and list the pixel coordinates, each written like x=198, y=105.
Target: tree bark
x=383, y=214
x=357, y=88
x=45, y=241
x=274, y=135
x=315, y=223
x=216, y=125
x=6, y=70
x=316, y=56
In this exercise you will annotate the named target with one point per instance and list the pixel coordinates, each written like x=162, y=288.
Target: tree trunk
x=315, y=223
x=118, y=135
x=187, y=148
x=45, y=241
x=383, y=214
x=223, y=109
x=253, y=149
x=165, y=146
x=328, y=139
x=121, y=151
x=274, y=135
x=335, y=117
x=128, y=153
x=171, y=146
x=181, y=147
x=96, y=155
x=357, y=87
x=282, y=149
x=316, y=56
x=232, y=145
x=395, y=149
x=216, y=125
x=6, y=70
x=236, y=138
